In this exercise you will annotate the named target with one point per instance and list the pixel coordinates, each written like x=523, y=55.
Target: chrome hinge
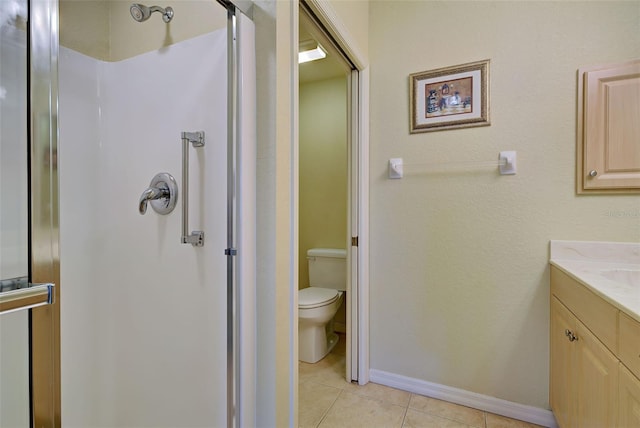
x=230, y=252
x=354, y=241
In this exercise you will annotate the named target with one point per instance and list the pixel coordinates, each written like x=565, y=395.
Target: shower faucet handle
x=152, y=194
x=162, y=193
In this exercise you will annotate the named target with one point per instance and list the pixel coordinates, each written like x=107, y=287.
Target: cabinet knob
x=572, y=337
x=593, y=173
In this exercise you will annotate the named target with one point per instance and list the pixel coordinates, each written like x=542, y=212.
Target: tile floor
x=326, y=400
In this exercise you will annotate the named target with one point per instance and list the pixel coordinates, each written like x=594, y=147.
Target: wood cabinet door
x=629, y=347
x=610, y=128
x=597, y=382
x=629, y=405
x=562, y=389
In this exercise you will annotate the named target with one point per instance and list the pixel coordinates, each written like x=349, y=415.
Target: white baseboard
x=534, y=415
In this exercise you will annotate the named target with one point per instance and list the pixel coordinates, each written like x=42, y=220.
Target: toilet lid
x=313, y=297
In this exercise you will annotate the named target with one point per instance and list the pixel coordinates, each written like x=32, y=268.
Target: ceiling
x=332, y=66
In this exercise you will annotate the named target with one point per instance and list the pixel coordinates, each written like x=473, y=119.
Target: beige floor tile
x=336, y=359
x=329, y=371
x=381, y=392
x=444, y=409
x=496, y=421
x=325, y=377
x=353, y=411
x=314, y=402
x=332, y=360
x=417, y=419
x=327, y=400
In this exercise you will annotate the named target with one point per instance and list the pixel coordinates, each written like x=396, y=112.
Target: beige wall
x=459, y=261
x=277, y=380
x=323, y=169
x=104, y=29
x=354, y=14
x=84, y=27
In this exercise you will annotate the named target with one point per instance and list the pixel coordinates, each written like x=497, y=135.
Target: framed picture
x=450, y=97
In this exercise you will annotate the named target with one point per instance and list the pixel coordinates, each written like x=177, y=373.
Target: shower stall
x=154, y=175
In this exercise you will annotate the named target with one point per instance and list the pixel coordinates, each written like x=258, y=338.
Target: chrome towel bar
x=506, y=164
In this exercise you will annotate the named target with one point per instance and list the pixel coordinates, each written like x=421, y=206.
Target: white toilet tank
x=327, y=268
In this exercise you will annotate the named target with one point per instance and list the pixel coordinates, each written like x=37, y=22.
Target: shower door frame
x=241, y=236
x=44, y=255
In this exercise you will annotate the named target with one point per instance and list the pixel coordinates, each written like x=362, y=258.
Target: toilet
x=318, y=303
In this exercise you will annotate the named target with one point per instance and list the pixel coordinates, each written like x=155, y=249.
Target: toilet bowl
x=318, y=304
x=316, y=309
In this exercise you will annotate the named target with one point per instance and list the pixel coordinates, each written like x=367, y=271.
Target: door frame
x=358, y=349
x=44, y=237
x=358, y=223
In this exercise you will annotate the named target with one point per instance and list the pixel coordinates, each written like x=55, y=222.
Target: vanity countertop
x=609, y=269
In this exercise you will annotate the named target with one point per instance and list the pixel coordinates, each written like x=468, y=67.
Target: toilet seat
x=313, y=297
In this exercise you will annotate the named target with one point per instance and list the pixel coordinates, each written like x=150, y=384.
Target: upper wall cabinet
x=608, y=155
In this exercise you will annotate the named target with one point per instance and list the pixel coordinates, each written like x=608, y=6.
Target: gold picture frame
x=450, y=97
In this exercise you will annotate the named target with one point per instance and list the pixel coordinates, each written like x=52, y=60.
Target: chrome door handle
x=196, y=238
x=26, y=298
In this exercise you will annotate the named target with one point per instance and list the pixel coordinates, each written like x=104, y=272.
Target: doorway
x=329, y=172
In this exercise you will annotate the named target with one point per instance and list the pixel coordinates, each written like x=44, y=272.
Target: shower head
x=141, y=13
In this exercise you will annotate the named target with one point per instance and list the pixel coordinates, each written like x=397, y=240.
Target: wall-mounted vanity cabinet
x=595, y=358
x=608, y=131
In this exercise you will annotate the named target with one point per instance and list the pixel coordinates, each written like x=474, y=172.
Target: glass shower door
x=14, y=267
x=28, y=219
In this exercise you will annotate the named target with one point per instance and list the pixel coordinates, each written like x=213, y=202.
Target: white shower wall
x=143, y=317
